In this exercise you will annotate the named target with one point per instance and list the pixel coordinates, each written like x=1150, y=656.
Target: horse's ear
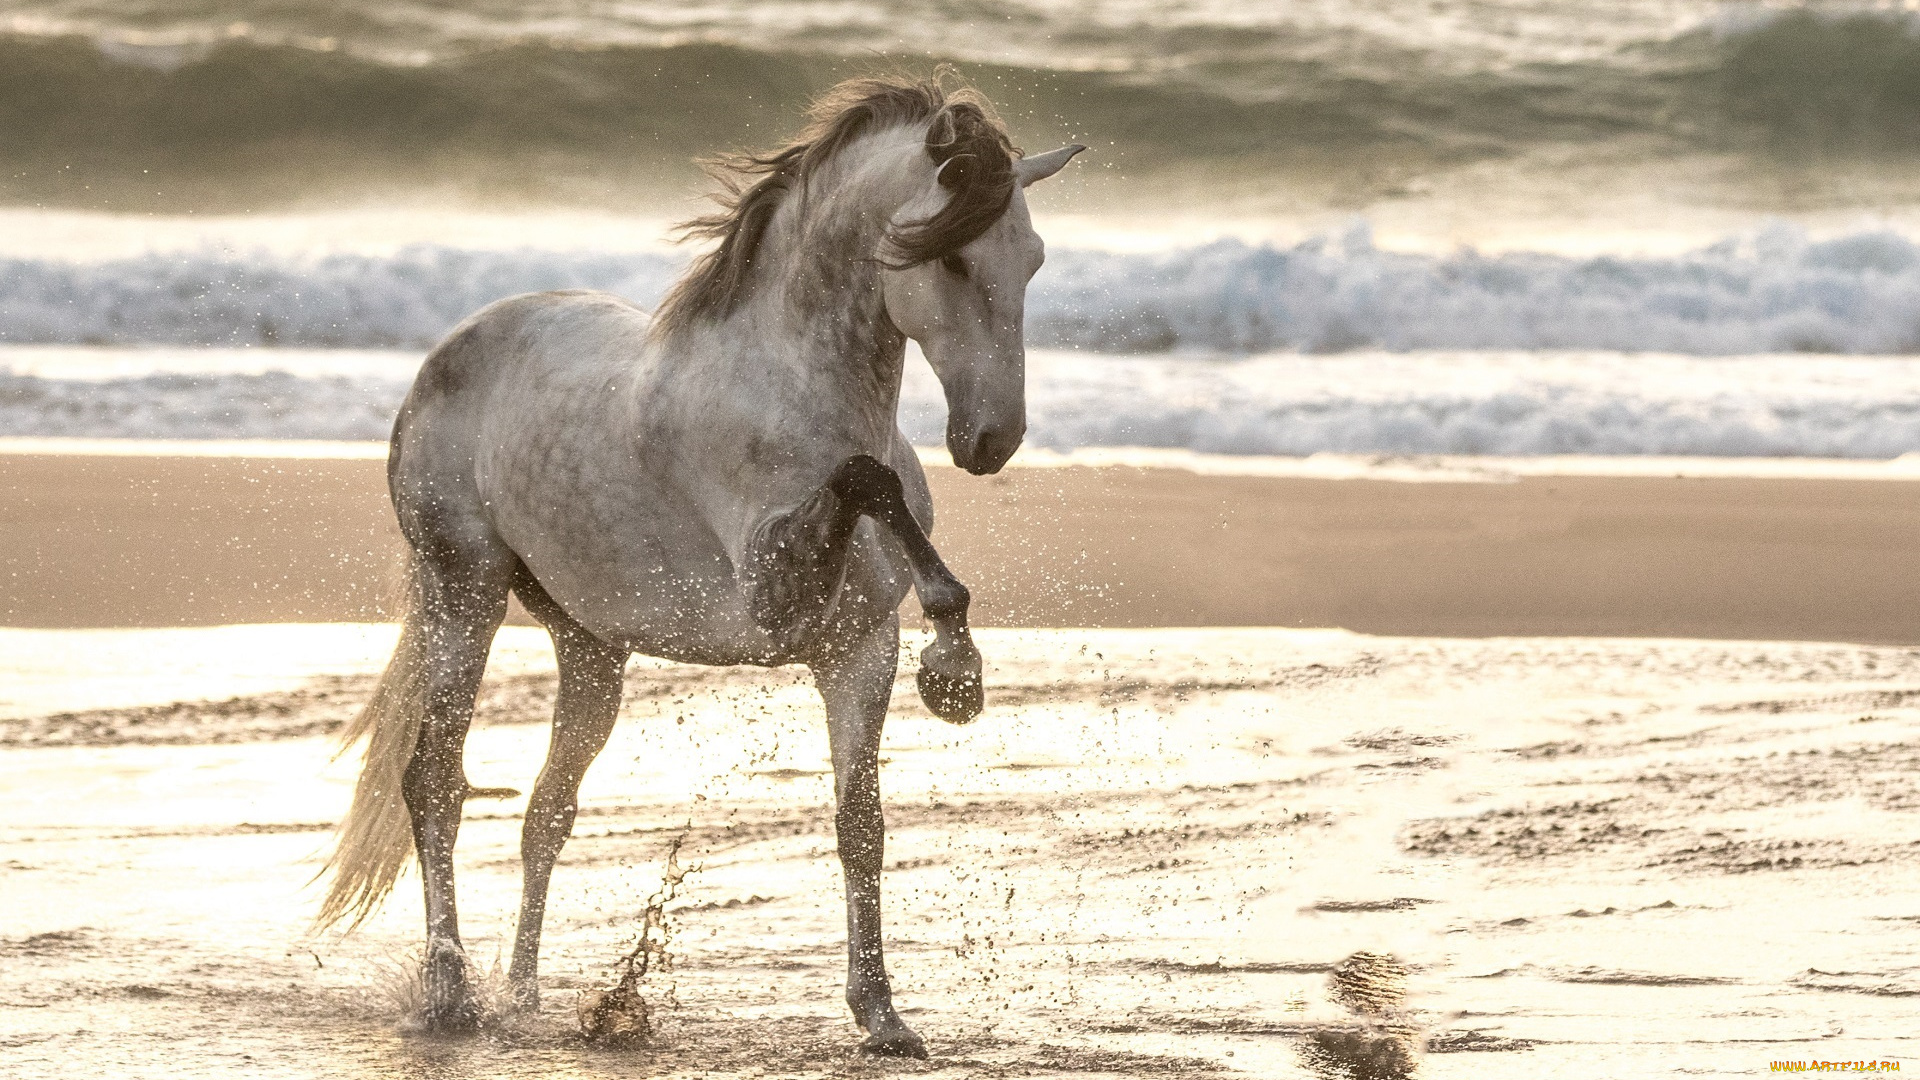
x=1031, y=170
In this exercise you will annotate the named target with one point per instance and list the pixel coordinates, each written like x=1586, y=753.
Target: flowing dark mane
x=962, y=126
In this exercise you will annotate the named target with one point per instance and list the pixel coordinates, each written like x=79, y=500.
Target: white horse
x=704, y=486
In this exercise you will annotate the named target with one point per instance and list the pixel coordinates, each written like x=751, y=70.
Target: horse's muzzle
x=984, y=452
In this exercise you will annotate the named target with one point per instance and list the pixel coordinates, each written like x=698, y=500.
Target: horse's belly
x=682, y=601
x=695, y=619
x=625, y=558
x=660, y=603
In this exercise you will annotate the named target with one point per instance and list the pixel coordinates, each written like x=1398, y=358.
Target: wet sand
x=171, y=541
x=1594, y=858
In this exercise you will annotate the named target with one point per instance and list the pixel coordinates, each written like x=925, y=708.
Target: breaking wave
x=1470, y=403
x=409, y=299
x=291, y=98
x=1423, y=403
x=1776, y=291
x=269, y=405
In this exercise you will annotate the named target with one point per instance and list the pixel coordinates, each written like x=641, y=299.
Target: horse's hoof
x=898, y=1042
x=951, y=692
x=450, y=1008
x=460, y=1017
x=955, y=700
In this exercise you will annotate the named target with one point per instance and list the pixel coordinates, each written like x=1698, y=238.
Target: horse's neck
x=817, y=303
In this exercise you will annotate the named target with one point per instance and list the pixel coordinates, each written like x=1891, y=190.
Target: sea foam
x=1328, y=346
x=1774, y=291
x=1507, y=403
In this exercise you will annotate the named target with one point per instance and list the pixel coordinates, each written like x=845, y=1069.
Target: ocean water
x=1285, y=107
x=1499, y=227
x=1773, y=291
x=1371, y=402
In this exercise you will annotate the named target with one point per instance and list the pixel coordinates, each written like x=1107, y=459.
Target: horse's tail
x=375, y=840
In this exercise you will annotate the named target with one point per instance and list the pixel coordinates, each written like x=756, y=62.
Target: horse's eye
x=953, y=264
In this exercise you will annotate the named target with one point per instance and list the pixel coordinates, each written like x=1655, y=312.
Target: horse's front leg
x=796, y=560
x=856, y=681
x=949, y=678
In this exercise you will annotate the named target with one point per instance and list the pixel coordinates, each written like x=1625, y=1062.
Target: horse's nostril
x=984, y=450
x=991, y=449
x=983, y=447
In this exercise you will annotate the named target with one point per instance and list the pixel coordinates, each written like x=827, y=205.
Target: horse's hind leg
x=463, y=597
x=855, y=683
x=949, y=679
x=583, y=717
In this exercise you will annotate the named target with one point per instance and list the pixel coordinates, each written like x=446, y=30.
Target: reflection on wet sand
x=1386, y=1042
x=1161, y=853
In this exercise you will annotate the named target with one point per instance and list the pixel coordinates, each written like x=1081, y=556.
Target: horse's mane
x=964, y=130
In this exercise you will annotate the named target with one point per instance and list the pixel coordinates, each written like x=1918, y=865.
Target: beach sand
x=1592, y=857
x=179, y=541
x=1594, y=848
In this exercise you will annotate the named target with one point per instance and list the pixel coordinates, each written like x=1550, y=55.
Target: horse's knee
x=550, y=814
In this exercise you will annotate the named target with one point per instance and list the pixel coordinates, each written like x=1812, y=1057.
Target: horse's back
x=486, y=384
x=512, y=348
x=477, y=351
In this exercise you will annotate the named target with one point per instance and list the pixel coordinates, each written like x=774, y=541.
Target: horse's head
x=957, y=261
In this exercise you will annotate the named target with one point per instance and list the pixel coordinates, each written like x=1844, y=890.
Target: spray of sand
x=620, y=1015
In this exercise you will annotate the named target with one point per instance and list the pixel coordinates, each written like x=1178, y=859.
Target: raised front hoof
x=949, y=682
x=898, y=1042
